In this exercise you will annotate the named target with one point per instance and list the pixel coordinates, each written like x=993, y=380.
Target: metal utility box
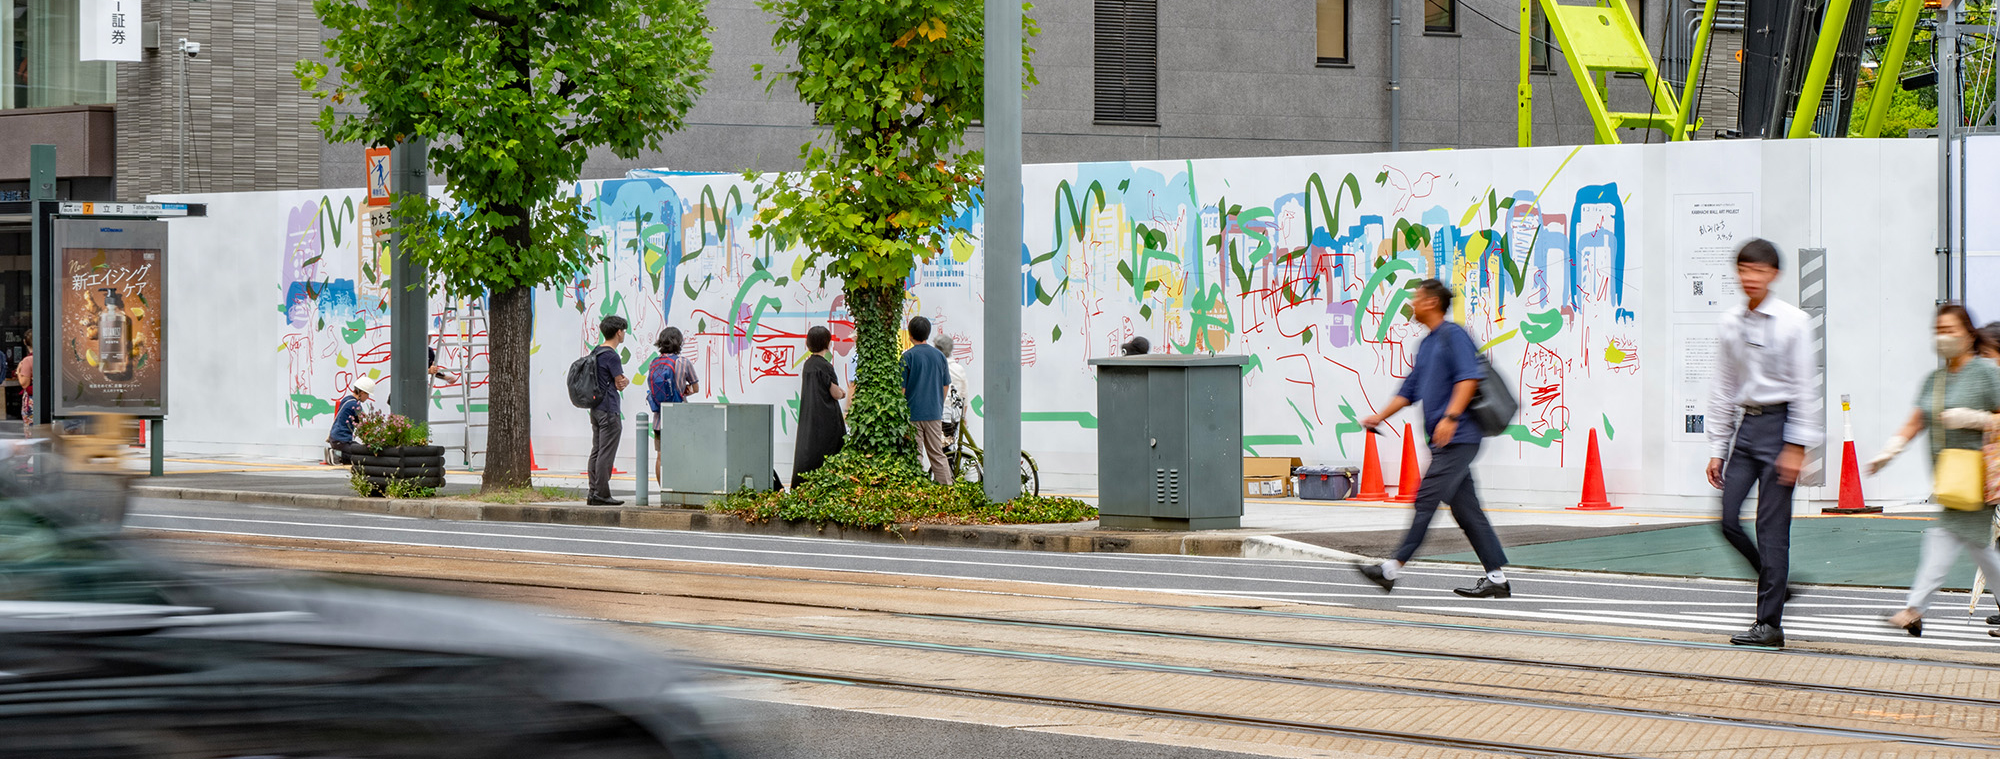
x=1170, y=441
x=708, y=450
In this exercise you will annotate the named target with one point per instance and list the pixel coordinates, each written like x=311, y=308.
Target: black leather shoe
x=1760, y=635
x=605, y=502
x=1486, y=589
x=1374, y=573
x=1993, y=620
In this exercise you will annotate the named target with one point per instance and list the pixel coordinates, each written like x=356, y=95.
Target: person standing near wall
x=926, y=379
x=956, y=392
x=1444, y=377
x=1760, y=422
x=671, y=379
x=25, y=374
x=1956, y=403
x=822, y=429
x=607, y=416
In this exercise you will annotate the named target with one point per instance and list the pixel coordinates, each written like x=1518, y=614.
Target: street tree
x=513, y=95
x=894, y=84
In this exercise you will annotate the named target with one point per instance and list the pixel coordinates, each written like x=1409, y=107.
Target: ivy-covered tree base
x=865, y=491
x=878, y=423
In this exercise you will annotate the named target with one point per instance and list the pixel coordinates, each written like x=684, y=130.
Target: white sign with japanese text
x=108, y=30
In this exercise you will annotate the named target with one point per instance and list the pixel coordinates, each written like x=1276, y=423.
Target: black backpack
x=584, y=389
x=1493, y=405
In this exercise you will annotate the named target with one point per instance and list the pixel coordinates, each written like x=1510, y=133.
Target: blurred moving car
x=109, y=652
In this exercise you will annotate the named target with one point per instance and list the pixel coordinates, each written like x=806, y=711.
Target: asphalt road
x=1641, y=603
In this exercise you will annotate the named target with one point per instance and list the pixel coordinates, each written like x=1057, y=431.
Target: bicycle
x=968, y=460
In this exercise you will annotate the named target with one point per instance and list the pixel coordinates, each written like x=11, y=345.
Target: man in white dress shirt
x=1763, y=413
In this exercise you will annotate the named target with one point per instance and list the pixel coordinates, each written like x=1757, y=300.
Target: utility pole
x=1003, y=248
x=1950, y=287
x=409, y=292
x=42, y=327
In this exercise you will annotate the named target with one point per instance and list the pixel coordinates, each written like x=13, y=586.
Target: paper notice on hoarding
x=1695, y=348
x=1707, y=229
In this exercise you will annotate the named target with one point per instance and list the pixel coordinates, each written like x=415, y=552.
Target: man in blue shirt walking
x=1445, y=376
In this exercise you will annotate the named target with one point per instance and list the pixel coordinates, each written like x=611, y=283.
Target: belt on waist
x=1759, y=409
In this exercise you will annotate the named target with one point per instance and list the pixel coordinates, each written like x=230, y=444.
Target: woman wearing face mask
x=1955, y=403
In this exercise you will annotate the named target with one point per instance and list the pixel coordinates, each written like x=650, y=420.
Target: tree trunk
x=507, y=409
x=878, y=426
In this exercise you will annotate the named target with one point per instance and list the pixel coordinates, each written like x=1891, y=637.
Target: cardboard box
x=1268, y=476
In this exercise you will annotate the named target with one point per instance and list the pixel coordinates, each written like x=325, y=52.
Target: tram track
x=865, y=599
x=1321, y=682
x=1137, y=710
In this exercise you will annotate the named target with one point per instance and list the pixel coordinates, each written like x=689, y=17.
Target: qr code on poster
x=1697, y=286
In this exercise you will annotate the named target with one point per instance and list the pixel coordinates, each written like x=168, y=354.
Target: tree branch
x=486, y=15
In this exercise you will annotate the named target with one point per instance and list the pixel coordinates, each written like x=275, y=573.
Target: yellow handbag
x=1959, y=481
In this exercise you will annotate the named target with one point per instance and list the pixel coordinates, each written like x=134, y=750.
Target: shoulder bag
x=1959, y=481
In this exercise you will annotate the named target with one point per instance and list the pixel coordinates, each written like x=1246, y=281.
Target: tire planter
x=419, y=465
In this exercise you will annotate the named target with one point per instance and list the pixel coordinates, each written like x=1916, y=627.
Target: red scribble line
x=1543, y=394
x=1309, y=382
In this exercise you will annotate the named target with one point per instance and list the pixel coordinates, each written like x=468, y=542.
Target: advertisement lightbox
x=110, y=285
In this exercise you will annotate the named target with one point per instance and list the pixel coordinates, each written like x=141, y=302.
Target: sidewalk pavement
x=1878, y=550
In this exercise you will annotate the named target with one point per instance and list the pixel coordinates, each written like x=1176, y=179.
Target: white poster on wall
x=1707, y=228
x=108, y=30
x=1695, y=344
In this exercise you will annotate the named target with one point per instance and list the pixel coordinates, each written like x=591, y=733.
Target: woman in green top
x=1957, y=415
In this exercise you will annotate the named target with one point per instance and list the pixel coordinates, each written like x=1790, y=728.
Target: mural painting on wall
x=1302, y=263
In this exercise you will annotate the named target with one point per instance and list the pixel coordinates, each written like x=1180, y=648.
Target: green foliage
x=878, y=420
x=893, y=84
x=360, y=484
x=513, y=95
x=536, y=494
x=1907, y=110
x=858, y=491
x=378, y=430
x=408, y=488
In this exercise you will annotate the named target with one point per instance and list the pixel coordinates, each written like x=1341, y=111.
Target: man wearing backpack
x=1444, y=378
x=606, y=417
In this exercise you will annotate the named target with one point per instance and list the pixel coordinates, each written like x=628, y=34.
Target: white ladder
x=465, y=328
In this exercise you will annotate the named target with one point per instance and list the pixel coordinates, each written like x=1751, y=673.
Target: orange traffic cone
x=1851, y=501
x=1593, y=481
x=1371, y=472
x=1410, y=477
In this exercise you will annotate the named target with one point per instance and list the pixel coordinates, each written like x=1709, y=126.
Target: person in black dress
x=821, y=426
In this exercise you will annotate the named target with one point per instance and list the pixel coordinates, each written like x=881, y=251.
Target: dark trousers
x=603, y=451
x=1754, y=461
x=1450, y=481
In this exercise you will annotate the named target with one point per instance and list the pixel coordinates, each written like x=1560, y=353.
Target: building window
x=1540, y=42
x=1128, y=62
x=38, y=41
x=1441, y=16
x=1332, y=31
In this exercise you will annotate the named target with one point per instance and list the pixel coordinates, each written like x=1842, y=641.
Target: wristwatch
x=1453, y=417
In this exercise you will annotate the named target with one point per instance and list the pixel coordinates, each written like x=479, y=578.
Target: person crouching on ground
x=1444, y=378
x=346, y=415
x=926, y=379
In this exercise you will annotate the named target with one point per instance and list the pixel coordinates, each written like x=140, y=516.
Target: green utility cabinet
x=1170, y=441
x=708, y=450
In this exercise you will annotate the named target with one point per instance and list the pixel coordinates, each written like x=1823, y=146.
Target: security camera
x=190, y=47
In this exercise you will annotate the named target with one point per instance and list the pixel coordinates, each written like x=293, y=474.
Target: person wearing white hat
x=347, y=413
